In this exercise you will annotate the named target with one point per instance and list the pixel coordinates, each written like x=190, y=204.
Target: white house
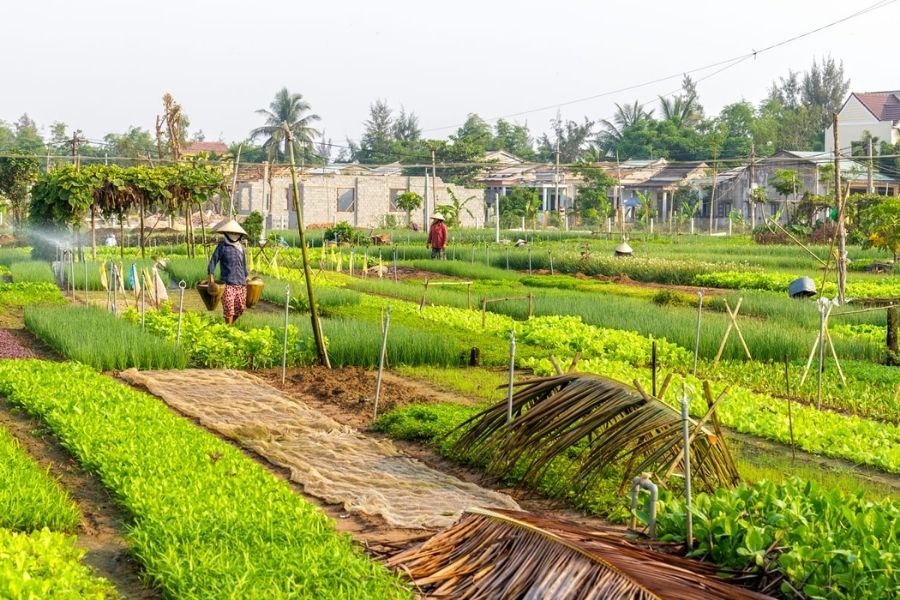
x=875, y=112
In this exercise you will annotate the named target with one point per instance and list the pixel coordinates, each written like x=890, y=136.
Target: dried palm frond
x=596, y=422
x=508, y=554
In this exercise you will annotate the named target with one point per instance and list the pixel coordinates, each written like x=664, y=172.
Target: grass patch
x=208, y=521
x=99, y=339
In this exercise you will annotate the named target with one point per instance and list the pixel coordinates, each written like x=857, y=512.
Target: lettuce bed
x=208, y=521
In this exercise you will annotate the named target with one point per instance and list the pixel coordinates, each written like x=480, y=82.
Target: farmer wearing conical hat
x=232, y=260
x=437, y=236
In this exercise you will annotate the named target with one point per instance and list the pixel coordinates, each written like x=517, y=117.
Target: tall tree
x=684, y=109
x=28, y=138
x=825, y=88
x=572, y=138
x=613, y=132
x=406, y=127
x=17, y=173
x=295, y=111
x=377, y=143
x=475, y=131
x=134, y=143
x=512, y=138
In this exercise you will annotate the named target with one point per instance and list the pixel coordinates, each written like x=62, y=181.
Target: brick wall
x=365, y=200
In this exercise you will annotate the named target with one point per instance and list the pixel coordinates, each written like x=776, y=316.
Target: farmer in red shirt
x=437, y=236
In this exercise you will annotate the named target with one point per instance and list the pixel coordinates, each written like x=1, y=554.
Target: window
x=394, y=194
x=346, y=200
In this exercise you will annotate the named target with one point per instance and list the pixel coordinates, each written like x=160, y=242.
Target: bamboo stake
x=313, y=310
x=787, y=385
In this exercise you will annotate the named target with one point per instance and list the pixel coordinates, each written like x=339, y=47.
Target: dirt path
x=346, y=394
x=102, y=524
x=332, y=461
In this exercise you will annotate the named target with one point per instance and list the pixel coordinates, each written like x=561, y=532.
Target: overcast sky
x=102, y=65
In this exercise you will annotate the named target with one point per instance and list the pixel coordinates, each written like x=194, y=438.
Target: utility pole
x=433, y=183
x=839, y=203
x=559, y=206
x=75, y=141
x=712, y=197
x=497, y=218
x=620, y=214
x=750, y=185
x=871, y=187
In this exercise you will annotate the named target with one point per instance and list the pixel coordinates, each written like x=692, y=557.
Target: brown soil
x=102, y=528
x=347, y=394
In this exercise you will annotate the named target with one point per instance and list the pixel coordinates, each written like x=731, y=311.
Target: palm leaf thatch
x=596, y=423
x=509, y=554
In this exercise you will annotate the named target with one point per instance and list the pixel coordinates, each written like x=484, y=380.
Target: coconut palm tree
x=681, y=110
x=291, y=109
x=625, y=117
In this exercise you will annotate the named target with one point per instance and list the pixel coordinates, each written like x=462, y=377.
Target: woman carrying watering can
x=231, y=257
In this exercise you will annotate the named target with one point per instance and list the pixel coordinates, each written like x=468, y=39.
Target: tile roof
x=884, y=105
x=212, y=147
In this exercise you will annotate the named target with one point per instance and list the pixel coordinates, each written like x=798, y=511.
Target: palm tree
x=625, y=117
x=291, y=109
x=681, y=110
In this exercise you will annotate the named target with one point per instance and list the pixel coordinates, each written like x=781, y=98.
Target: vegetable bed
x=208, y=521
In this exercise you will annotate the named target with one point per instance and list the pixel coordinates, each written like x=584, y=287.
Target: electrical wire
x=724, y=64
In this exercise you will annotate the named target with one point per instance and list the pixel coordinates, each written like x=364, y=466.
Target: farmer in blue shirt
x=230, y=256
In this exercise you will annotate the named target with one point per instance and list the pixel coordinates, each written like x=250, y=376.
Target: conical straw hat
x=230, y=226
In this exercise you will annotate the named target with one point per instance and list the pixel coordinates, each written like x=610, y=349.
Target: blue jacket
x=233, y=262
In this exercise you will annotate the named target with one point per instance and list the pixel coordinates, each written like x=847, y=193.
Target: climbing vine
x=64, y=197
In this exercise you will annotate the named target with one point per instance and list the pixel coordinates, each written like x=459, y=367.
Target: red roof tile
x=212, y=147
x=884, y=105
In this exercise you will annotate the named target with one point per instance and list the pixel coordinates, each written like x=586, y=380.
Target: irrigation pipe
x=384, y=337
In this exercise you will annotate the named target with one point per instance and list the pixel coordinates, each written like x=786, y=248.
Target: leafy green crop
x=47, y=565
x=208, y=521
x=827, y=543
x=28, y=293
x=209, y=342
x=29, y=498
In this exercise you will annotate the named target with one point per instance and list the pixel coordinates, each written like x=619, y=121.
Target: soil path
x=346, y=395
x=332, y=461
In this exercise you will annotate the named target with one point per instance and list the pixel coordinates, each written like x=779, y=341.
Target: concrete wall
x=325, y=200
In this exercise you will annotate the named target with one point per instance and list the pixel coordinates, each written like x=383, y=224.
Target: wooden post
x=841, y=231
x=787, y=385
x=424, y=292
x=892, y=341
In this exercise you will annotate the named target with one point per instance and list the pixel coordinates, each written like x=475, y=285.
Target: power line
x=725, y=64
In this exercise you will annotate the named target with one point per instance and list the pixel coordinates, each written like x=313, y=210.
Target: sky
x=104, y=65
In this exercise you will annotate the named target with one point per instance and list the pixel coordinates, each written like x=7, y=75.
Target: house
x=734, y=186
x=659, y=179
x=875, y=112
x=195, y=148
x=555, y=186
x=362, y=196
